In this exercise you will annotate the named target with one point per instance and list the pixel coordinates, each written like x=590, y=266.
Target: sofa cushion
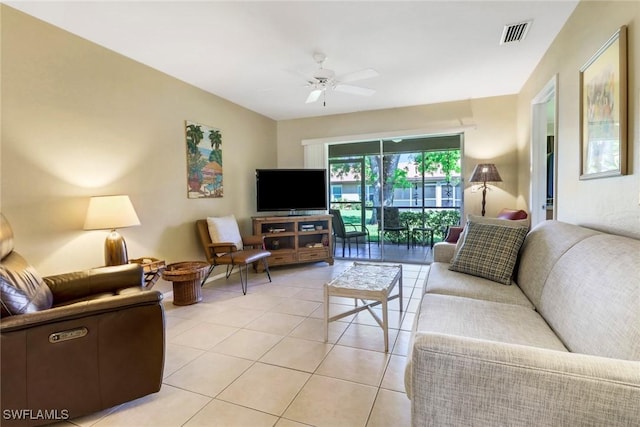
x=541, y=249
x=592, y=297
x=486, y=320
x=22, y=290
x=225, y=229
x=483, y=320
x=443, y=281
x=489, y=251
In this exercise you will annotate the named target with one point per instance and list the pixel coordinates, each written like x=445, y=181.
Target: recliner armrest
x=71, y=286
x=79, y=310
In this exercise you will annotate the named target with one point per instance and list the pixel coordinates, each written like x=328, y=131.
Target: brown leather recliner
x=76, y=343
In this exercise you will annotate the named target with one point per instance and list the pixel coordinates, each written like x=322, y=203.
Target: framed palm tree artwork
x=204, y=161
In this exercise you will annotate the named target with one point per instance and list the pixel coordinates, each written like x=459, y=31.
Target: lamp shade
x=485, y=172
x=109, y=213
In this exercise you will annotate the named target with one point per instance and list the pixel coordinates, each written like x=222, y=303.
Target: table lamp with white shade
x=110, y=213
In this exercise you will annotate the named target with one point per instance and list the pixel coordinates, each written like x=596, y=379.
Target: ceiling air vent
x=515, y=32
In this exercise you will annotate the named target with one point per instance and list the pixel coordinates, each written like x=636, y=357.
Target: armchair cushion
x=225, y=229
x=22, y=290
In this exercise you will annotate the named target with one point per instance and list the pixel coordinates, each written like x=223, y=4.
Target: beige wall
x=489, y=135
x=79, y=120
x=607, y=203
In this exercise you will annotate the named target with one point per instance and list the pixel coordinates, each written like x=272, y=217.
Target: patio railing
x=436, y=218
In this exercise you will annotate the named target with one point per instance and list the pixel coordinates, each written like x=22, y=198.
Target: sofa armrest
x=80, y=309
x=443, y=252
x=81, y=284
x=462, y=381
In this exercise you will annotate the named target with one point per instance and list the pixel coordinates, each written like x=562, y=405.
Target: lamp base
x=484, y=198
x=115, y=249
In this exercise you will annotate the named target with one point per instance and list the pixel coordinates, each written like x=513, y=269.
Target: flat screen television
x=291, y=190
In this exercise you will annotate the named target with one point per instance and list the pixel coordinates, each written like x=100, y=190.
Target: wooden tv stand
x=295, y=239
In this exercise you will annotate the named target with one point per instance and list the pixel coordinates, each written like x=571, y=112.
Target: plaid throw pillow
x=489, y=251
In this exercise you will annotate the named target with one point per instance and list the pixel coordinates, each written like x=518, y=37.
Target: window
x=336, y=192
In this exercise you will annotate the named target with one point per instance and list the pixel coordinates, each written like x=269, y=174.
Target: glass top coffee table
x=369, y=283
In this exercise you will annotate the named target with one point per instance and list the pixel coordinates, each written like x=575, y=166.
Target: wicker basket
x=186, y=277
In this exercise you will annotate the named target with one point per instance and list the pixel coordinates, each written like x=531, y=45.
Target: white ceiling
x=256, y=53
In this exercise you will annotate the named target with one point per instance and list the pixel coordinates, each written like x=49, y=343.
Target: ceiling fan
x=324, y=79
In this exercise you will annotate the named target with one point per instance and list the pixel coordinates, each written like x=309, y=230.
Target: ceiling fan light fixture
x=324, y=74
x=324, y=79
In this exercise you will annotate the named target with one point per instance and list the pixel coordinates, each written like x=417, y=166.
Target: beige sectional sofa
x=559, y=348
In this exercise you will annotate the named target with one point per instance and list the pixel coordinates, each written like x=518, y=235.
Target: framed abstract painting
x=603, y=110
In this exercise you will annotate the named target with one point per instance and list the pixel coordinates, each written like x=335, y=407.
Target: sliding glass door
x=405, y=193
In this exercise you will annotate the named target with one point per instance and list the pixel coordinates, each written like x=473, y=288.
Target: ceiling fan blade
x=314, y=96
x=358, y=75
x=354, y=90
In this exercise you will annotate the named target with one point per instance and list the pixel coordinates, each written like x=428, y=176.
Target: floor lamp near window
x=109, y=213
x=485, y=172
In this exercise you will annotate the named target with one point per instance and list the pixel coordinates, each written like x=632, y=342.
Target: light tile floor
x=260, y=359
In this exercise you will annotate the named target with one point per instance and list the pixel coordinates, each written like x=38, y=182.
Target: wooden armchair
x=228, y=247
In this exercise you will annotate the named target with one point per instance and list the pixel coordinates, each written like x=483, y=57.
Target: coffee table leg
x=385, y=324
x=326, y=313
x=400, y=290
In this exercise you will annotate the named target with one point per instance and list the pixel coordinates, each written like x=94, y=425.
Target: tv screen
x=291, y=189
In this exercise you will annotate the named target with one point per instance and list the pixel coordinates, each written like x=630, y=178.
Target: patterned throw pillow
x=489, y=220
x=489, y=251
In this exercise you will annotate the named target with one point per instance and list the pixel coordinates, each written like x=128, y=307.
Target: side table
x=152, y=269
x=186, y=278
x=422, y=230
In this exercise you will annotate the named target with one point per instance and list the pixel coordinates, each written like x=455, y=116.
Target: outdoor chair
x=223, y=245
x=340, y=232
x=392, y=223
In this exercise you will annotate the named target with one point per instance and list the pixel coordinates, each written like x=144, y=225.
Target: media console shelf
x=295, y=239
